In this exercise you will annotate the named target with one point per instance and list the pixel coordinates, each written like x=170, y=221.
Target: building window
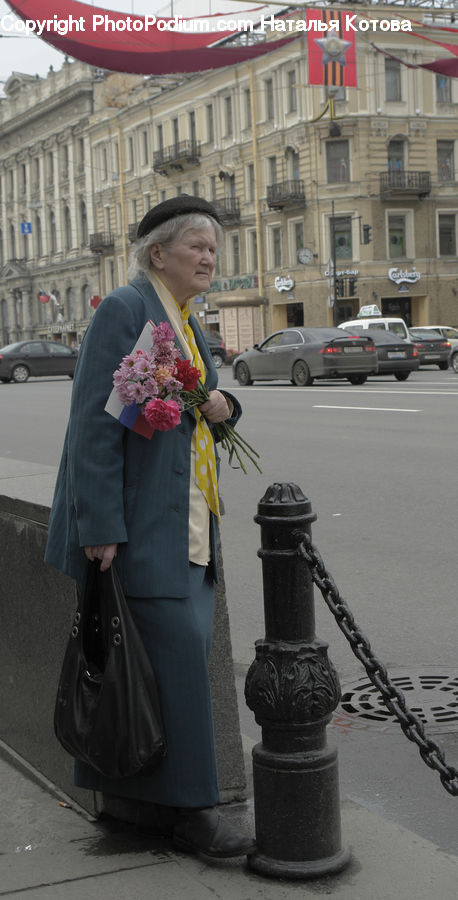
x=446, y=160
x=23, y=179
x=250, y=183
x=12, y=242
x=104, y=163
x=146, y=202
x=228, y=116
x=195, y=188
x=80, y=146
x=292, y=164
x=210, y=123
x=341, y=226
x=50, y=167
x=395, y=156
x=447, y=235
x=68, y=228
x=392, y=80
x=38, y=237
x=272, y=164
x=175, y=131
x=276, y=247
x=64, y=161
x=229, y=184
x=443, y=89
x=36, y=174
x=130, y=154
x=396, y=236
x=338, y=161
x=52, y=232
x=235, y=254
x=269, y=99
x=298, y=232
x=247, y=102
x=192, y=126
x=212, y=187
x=252, y=251
x=145, y=148
x=160, y=138
x=83, y=222
x=292, y=91
x=134, y=210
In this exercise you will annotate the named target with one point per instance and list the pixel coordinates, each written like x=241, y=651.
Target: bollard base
x=299, y=869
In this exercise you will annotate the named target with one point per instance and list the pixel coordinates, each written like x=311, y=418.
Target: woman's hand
x=105, y=552
x=216, y=409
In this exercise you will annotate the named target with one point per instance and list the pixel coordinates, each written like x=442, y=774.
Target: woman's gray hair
x=166, y=234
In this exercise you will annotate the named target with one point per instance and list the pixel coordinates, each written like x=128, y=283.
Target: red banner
x=331, y=48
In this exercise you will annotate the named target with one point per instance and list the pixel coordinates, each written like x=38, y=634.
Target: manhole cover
x=432, y=696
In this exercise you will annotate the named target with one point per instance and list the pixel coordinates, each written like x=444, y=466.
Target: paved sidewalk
x=50, y=851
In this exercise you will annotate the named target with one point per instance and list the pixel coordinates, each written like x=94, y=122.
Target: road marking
x=367, y=408
x=352, y=390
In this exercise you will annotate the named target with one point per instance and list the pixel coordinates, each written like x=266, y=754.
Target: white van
x=396, y=326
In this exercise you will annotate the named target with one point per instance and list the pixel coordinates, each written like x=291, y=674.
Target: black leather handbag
x=107, y=709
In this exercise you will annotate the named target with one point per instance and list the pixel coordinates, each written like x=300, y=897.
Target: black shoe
x=205, y=831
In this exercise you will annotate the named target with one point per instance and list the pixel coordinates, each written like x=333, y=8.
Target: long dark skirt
x=177, y=635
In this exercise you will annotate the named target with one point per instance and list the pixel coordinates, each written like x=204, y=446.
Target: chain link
x=430, y=752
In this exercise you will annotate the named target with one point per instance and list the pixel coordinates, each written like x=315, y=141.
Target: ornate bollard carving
x=292, y=688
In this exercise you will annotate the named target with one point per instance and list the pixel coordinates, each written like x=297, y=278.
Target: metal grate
x=432, y=696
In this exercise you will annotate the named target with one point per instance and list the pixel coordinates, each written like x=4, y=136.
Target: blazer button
x=178, y=471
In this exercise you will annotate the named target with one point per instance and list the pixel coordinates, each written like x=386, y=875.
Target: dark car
x=432, y=348
x=302, y=354
x=395, y=356
x=19, y=361
x=216, y=347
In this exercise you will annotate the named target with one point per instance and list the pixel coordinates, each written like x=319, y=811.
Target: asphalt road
x=379, y=465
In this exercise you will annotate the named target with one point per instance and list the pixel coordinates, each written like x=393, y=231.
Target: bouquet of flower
x=161, y=386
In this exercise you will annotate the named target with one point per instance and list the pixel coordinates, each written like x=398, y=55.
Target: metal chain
x=394, y=699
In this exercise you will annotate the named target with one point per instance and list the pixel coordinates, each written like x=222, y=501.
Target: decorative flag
x=43, y=297
x=54, y=300
x=146, y=45
x=95, y=300
x=331, y=53
x=131, y=416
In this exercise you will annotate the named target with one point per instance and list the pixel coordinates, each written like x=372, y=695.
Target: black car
x=432, y=348
x=19, y=361
x=303, y=354
x=395, y=356
x=216, y=347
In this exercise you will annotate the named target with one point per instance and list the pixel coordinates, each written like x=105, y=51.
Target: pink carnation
x=162, y=332
x=162, y=415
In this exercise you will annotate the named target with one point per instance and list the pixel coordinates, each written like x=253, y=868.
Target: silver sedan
x=302, y=354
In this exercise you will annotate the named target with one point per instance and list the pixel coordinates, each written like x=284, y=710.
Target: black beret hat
x=176, y=206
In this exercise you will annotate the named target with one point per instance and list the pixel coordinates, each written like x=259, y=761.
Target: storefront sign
x=234, y=284
x=59, y=329
x=352, y=272
x=283, y=283
x=399, y=276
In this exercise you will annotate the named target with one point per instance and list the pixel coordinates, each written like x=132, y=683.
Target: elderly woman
x=121, y=495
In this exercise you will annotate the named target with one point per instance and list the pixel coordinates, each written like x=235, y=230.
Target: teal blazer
x=115, y=486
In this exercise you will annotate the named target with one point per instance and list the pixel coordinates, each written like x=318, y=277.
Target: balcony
x=228, y=210
x=286, y=193
x=394, y=184
x=101, y=242
x=177, y=156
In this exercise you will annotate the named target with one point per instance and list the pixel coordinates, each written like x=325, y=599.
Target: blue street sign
x=26, y=228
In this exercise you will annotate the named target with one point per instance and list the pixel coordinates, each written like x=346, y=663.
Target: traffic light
x=367, y=229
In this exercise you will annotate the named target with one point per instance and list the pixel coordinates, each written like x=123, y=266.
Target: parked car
x=216, y=347
x=450, y=334
x=302, y=354
x=378, y=323
x=433, y=349
x=20, y=360
x=395, y=356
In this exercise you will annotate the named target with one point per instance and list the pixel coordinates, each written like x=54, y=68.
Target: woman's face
x=186, y=266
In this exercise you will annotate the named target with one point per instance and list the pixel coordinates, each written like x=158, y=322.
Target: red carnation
x=187, y=374
x=162, y=415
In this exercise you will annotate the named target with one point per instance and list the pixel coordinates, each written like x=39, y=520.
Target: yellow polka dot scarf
x=206, y=478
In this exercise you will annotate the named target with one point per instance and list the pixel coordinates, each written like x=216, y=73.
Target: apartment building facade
x=369, y=195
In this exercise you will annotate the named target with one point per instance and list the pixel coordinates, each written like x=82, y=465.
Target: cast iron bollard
x=292, y=689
